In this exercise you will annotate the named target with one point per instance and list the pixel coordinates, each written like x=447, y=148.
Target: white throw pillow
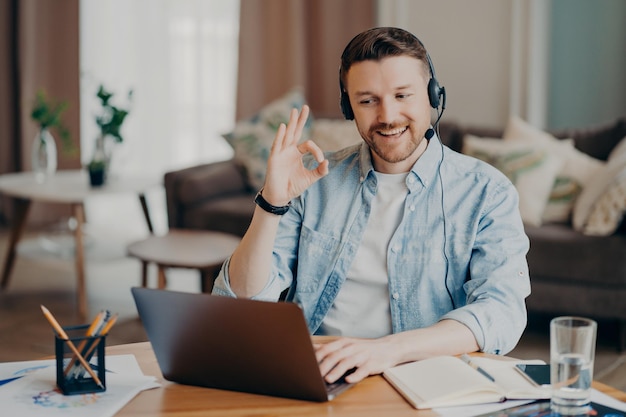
x=578, y=167
x=531, y=168
x=252, y=139
x=618, y=150
x=334, y=134
x=601, y=206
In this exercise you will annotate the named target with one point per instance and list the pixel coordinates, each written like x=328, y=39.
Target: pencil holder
x=73, y=377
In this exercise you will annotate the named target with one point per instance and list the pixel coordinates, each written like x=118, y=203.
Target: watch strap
x=262, y=202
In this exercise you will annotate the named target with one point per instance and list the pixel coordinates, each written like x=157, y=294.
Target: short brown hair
x=378, y=43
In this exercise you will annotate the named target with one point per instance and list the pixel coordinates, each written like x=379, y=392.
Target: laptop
x=233, y=344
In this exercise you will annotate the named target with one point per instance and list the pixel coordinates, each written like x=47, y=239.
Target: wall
x=587, y=63
x=469, y=45
x=555, y=63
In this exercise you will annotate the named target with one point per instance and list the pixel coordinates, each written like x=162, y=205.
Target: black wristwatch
x=262, y=202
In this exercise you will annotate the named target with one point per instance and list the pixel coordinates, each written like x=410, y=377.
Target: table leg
x=162, y=279
x=144, y=274
x=146, y=213
x=22, y=207
x=81, y=293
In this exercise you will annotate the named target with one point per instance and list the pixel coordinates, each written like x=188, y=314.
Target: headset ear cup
x=434, y=93
x=346, y=108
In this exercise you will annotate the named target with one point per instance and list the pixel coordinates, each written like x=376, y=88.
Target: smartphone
x=537, y=374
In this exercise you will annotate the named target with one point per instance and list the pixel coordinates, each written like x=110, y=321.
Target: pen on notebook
x=57, y=328
x=465, y=358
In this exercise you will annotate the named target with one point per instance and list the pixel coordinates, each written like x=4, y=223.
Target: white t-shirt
x=361, y=308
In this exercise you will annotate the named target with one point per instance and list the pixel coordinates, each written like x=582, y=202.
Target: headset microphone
x=429, y=133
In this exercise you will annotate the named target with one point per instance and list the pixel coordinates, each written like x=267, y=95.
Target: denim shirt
x=459, y=252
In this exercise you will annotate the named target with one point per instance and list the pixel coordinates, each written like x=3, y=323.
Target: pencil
x=90, y=332
x=104, y=331
x=108, y=326
x=57, y=327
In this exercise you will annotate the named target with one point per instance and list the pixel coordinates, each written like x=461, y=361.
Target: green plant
x=112, y=117
x=47, y=114
x=97, y=165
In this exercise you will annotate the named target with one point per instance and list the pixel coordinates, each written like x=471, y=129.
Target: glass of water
x=572, y=352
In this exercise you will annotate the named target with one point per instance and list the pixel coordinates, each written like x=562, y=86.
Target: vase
x=44, y=155
x=99, y=165
x=97, y=175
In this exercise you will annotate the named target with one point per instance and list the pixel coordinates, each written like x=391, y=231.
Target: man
x=399, y=246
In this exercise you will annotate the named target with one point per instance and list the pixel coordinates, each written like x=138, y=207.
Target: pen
x=57, y=327
x=465, y=358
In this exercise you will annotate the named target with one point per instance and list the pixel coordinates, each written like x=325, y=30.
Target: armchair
x=213, y=196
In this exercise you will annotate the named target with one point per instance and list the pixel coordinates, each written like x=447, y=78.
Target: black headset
x=436, y=93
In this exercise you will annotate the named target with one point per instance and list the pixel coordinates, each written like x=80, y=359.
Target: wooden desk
x=68, y=187
x=373, y=397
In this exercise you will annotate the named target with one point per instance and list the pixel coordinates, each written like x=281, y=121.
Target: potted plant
x=47, y=114
x=109, y=122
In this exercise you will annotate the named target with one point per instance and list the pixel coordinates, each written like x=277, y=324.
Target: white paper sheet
x=36, y=394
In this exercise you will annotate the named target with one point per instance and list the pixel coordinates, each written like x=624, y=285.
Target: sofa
x=574, y=270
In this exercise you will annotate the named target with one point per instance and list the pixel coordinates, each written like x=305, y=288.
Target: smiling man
x=400, y=247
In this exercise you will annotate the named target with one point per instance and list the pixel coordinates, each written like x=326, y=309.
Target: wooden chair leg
x=21, y=208
x=162, y=280
x=144, y=274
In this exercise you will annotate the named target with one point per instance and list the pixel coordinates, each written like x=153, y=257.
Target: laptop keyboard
x=335, y=386
x=339, y=385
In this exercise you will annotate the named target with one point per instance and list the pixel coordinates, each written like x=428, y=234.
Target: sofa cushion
x=577, y=170
x=334, y=134
x=601, y=206
x=252, y=139
x=589, y=300
x=560, y=254
x=531, y=168
x=596, y=141
x=229, y=214
x=619, y=151
x=215, y=180
x=608, y=211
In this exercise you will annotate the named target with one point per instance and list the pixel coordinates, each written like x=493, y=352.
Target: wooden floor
x=44, y=274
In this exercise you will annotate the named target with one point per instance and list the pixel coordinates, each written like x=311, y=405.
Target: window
x=180, y=59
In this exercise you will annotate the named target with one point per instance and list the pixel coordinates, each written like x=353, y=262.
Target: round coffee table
x=204, y=250
x=67, y=187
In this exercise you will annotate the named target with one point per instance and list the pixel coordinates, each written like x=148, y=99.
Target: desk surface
x=372, y=397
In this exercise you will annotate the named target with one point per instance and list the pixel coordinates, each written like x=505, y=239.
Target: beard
x=392, y=152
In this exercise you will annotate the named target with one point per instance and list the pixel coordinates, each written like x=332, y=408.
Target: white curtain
x=180, y=59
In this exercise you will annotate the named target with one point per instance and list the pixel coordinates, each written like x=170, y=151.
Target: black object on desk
x=72, y=376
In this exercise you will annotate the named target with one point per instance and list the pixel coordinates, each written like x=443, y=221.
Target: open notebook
x=446, y=381
x=233, y=344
